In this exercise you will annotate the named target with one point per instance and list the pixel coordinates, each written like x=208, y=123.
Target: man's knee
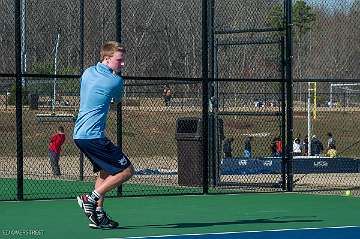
x=132, y=170
x=103, y=174
x=129, y=172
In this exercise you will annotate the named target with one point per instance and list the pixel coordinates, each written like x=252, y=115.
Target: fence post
x=19, y=136
x=213, y=97
x=81, y=64
x=205, y=95
x=119, y=125
x=81, y=166
x=283, y=114
x=289, y=91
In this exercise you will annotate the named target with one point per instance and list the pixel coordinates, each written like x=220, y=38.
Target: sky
x=333, y=4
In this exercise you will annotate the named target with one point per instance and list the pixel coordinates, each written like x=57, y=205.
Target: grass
x=152, y=133
x=149, y=136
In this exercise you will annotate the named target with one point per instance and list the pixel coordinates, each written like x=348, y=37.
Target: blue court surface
x=348, y=232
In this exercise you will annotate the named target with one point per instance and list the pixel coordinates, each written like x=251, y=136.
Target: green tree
x=303, y=18
x=12, y=97
x=276, y=20
x=45, y=86
x=276, y=16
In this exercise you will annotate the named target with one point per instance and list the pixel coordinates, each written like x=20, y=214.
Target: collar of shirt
x=104, y=68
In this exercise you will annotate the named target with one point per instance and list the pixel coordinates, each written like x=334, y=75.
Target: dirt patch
x=237, y=124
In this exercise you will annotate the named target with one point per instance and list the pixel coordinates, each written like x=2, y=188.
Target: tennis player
x=99, y=87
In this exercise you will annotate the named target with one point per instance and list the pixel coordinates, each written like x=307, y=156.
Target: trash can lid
x=188, y=126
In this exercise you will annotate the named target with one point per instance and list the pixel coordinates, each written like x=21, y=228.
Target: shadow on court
x=276, y=220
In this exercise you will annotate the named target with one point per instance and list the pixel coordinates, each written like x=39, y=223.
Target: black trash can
x=189, y=151
x=33, y=101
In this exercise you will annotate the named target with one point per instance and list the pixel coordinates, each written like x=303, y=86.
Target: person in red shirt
x=278, y=147
x=55, y=149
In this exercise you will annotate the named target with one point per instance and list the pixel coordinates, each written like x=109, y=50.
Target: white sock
x=99, y=209
x=95, y=196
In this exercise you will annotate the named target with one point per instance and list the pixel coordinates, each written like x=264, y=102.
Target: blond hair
x=109, y=48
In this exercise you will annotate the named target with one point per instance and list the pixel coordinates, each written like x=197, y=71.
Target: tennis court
x=255, y=73
x=255, y=215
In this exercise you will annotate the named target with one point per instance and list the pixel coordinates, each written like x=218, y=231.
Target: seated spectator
x=296, y=147
x=247, y=148
x=278, y=146
x=227, y=147
x=273, y=148
x=331, y=141
x=167, y=94
x=331, y=151
x=306, y=146
x=316, y=146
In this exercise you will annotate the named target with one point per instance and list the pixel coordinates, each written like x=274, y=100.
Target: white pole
x=309, y=118
x=55, y=71
x=331, y=98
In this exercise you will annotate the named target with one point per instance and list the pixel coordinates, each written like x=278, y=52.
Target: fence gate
x=247, y=110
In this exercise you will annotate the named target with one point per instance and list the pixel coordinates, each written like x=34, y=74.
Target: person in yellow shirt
x=331, y=151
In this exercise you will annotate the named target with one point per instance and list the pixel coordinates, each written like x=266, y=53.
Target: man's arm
x=117, y=94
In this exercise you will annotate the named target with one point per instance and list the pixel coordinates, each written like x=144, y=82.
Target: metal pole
x=315, y=101
x=81, y=66
x=331, y=98
x=289, y=90
x=215, y=170
x=283, y=114
x=81, y=168
x=211, y=36
x=119, y=117
x=23, y=40
x=19, y=136
x=55, y=72
x=309, y=118
x=205, y=95
x=6, y=99
x=213, y=126
x=81, y=55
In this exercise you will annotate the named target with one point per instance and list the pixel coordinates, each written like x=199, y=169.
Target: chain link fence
x=335, y=164
x=327, y=75
x=164, y=42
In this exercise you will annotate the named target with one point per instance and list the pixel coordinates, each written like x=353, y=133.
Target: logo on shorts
x=122, y=161
x=268, y=163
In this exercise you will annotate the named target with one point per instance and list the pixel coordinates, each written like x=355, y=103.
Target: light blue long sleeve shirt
x=98, y=87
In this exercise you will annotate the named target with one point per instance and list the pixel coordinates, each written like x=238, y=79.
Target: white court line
x=225, y=233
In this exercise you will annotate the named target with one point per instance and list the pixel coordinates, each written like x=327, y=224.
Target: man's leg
x=103, y=176
x=111, y=181
x=103, y=152
x=94, y=202
x=103, y=219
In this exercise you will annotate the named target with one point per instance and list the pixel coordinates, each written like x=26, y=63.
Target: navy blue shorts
x=104, y=155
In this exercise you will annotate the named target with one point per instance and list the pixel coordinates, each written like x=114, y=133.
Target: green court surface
x=172, y=215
